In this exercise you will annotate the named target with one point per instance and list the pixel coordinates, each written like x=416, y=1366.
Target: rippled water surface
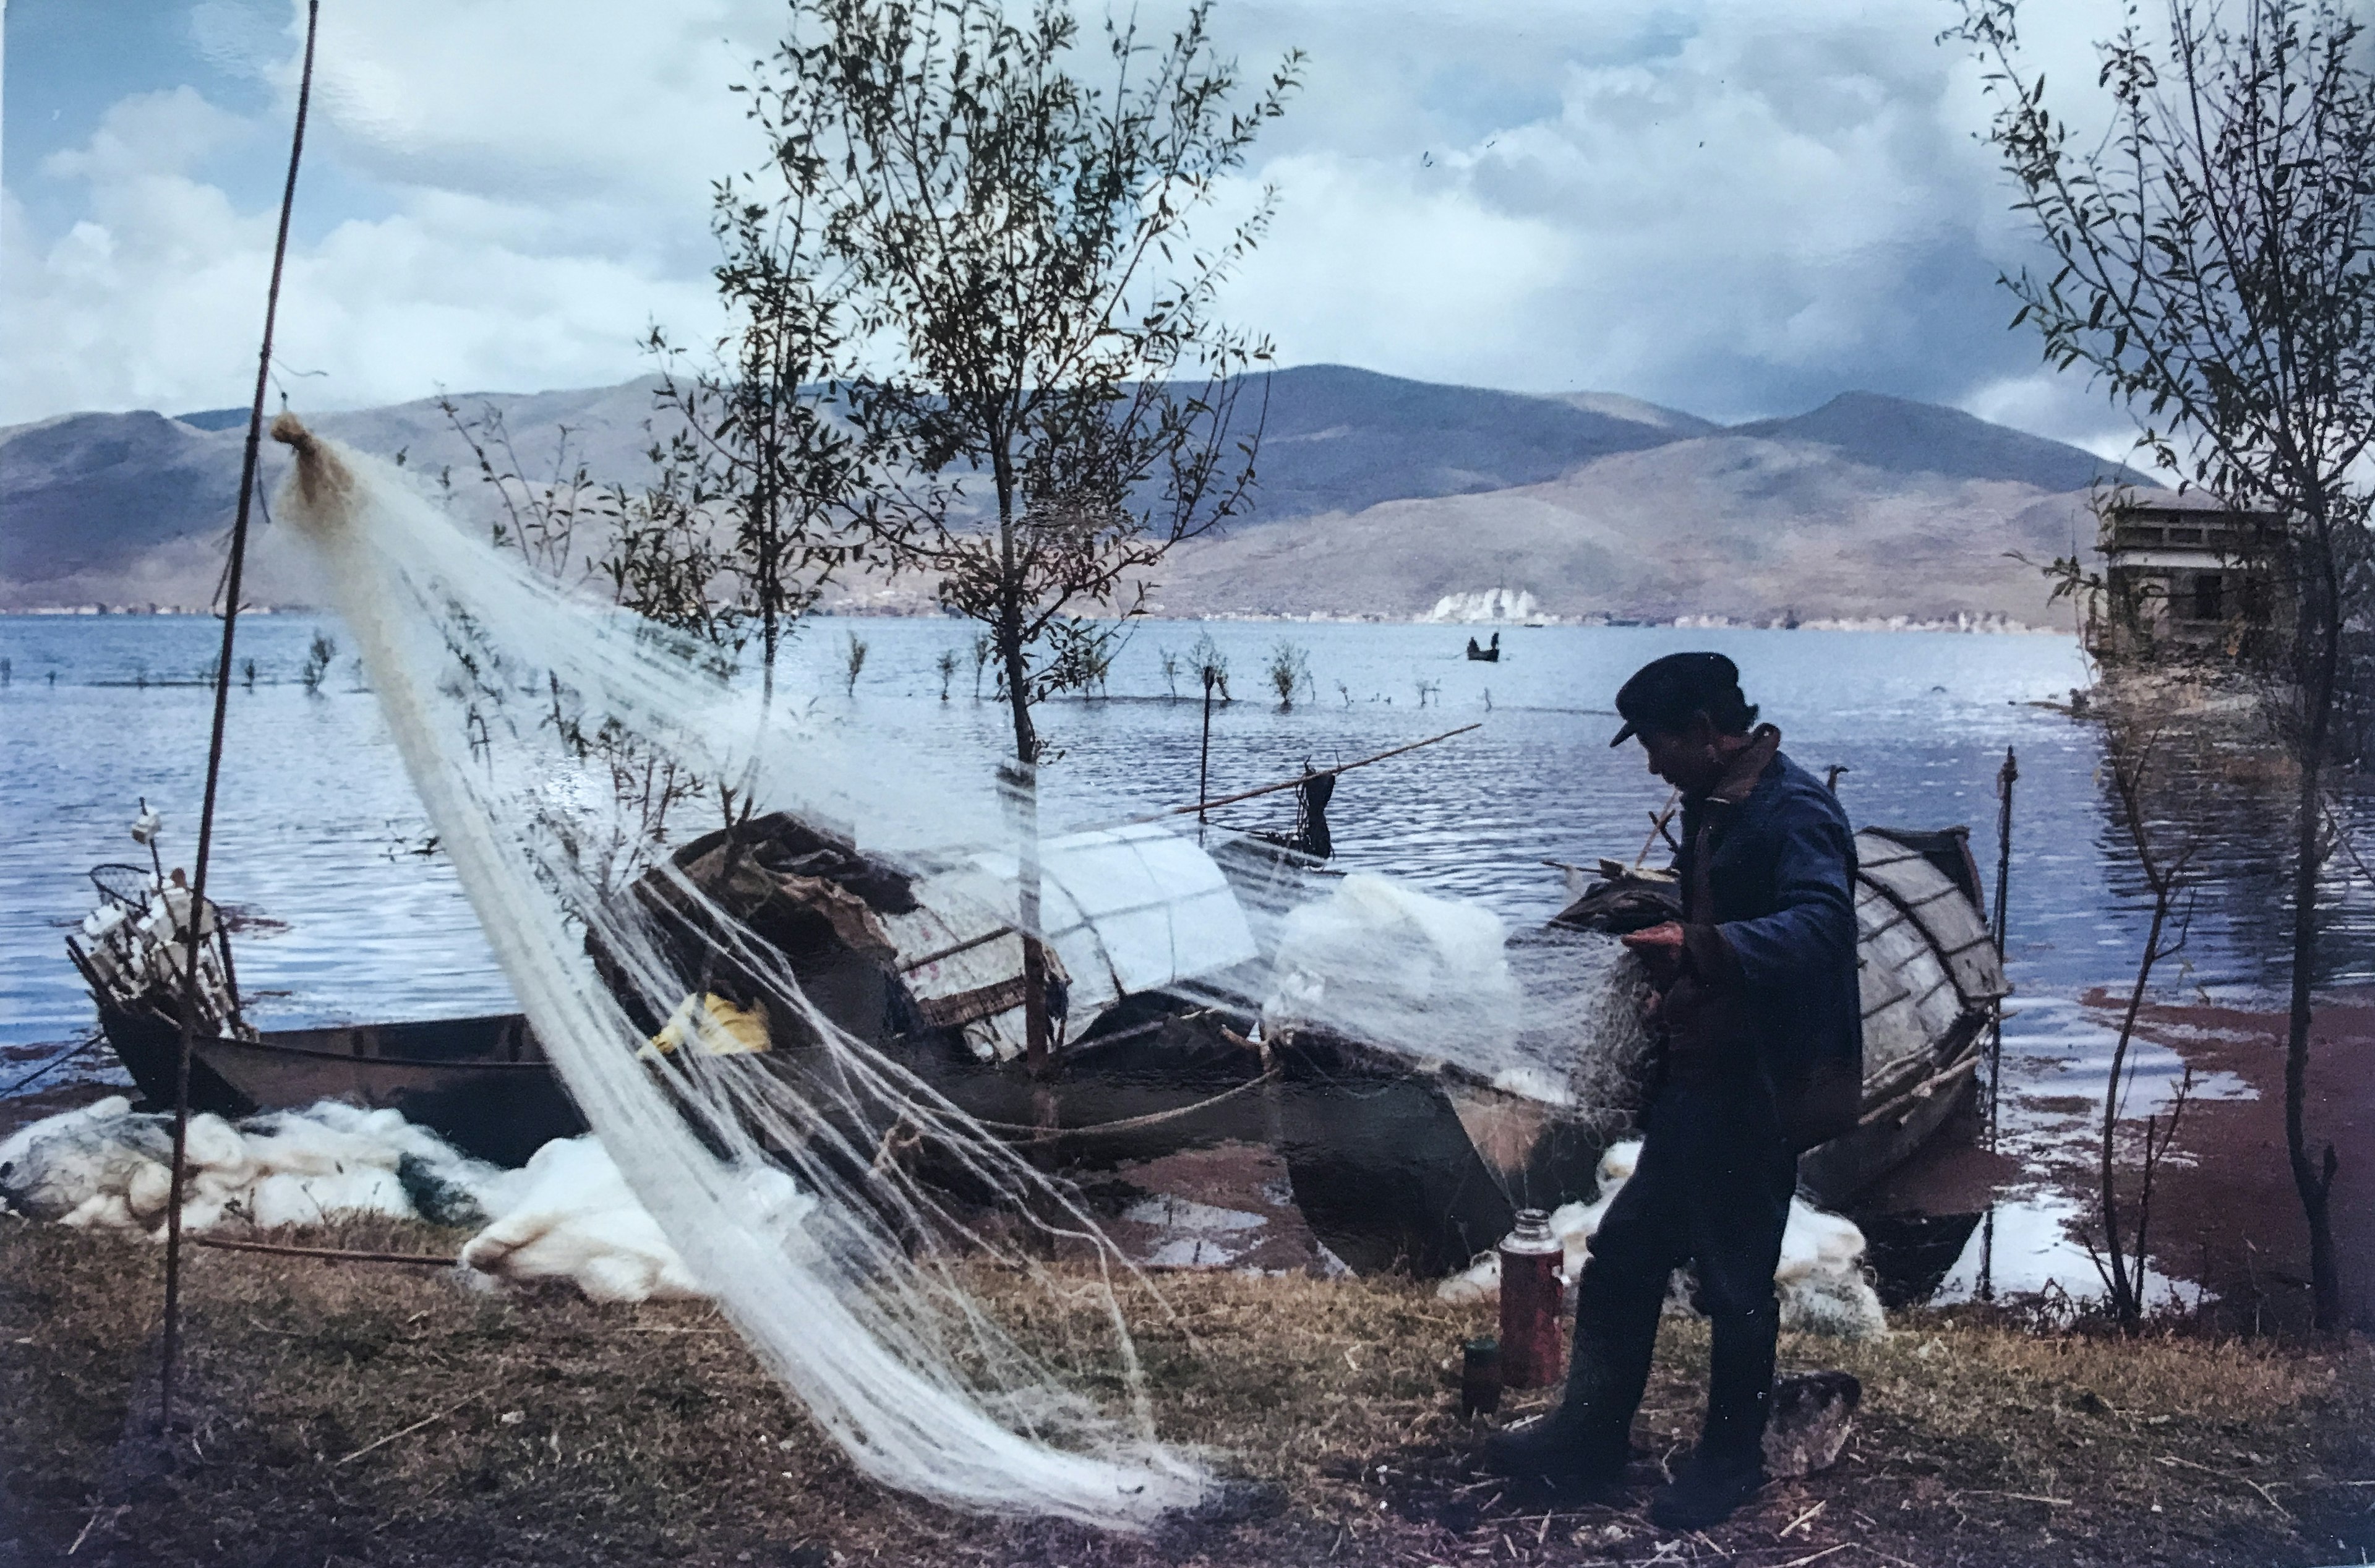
x=321, y=838
x=319, y=830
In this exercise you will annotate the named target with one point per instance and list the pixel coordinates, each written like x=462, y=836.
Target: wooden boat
x=1461, y=1155
x=481, y=1083
x=1393, y=1166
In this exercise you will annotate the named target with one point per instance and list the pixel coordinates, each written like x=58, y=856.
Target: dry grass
x=346, y=1414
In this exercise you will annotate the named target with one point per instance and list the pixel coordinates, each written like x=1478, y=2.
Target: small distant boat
x=1490, y=655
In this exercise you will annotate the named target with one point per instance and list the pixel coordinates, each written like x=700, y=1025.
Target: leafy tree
x=1290, y=671
x=2213, y=271
x=762, y=447
x=1014, y=238
x=1011, y=240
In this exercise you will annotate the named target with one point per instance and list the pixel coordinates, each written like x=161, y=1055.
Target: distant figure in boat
x=1490, y=655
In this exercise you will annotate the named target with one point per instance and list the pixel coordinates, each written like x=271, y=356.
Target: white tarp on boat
x=1126, y=909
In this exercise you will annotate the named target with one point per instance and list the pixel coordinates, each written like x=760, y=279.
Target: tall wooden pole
x=2004, y=777
x=1204, y=760
x=231, y=582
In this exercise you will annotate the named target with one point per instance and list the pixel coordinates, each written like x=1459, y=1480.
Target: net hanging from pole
x=945, y=1310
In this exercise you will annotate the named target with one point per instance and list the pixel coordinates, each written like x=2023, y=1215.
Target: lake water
x=319, y=833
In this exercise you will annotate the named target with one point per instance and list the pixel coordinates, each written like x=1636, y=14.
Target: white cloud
x=150, y=133
x=155, y=300
x=545, y=98
x=1779, y=203
x=1739, y=208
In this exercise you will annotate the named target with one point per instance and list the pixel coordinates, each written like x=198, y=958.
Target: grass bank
x=350, y=1414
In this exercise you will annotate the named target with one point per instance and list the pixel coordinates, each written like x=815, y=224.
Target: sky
x=1737, y=208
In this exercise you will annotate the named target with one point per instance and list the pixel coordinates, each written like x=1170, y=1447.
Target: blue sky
x=1738, y=206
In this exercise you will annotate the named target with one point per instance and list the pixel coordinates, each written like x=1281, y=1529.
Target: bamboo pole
x=1201, y=806
x=2004, y=777
x=232, y=581
x=328, y=1255
x=1204, y=757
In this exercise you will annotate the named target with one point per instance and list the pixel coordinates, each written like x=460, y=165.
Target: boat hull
x=480, y=1083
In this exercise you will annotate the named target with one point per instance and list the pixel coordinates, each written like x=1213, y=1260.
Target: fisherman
x=1756, y=997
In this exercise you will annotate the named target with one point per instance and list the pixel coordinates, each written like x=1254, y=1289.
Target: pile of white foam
x=566, y=1216
x=1820, y=1281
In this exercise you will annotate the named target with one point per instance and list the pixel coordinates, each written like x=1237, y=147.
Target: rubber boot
x=1579, y=1451
x=1561, y=1455
x=1727, y=1467
x=1706, y=1490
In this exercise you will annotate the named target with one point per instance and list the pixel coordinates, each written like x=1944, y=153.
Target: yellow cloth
x=714, y=1026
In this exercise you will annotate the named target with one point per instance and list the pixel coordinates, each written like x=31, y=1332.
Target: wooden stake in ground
x=2005, y=776
x=232, y=579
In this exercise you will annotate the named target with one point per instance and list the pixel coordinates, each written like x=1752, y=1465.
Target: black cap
x=1664, y=693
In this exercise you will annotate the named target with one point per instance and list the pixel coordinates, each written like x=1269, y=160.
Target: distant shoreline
x=1984, y=625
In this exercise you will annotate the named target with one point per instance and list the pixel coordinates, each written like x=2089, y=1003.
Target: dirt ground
x=344, y=1414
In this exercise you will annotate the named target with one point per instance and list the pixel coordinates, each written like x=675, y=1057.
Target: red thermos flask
x=1533, y=1349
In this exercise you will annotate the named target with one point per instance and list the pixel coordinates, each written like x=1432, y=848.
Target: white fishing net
x=869, y=1238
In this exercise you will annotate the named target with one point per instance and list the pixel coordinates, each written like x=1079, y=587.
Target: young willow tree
x=758, y=446
x=2213, y=256
x=1012, y=240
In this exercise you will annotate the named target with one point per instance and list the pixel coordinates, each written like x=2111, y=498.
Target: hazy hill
x=1902, y=437
x=1378, y=495
x=1338, y=440
x=1750, y=527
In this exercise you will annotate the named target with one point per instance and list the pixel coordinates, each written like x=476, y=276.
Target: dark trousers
x=1712, y=1188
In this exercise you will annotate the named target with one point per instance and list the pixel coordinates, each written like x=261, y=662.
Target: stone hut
x=2182, y=571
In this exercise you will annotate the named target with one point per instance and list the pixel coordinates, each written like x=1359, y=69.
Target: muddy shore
x=2225, y=1211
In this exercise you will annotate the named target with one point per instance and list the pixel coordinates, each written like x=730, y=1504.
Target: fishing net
x=947, y=1311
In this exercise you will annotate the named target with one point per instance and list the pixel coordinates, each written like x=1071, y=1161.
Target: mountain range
x=1378, y=496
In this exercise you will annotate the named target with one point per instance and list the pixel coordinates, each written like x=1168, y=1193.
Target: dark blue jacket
x=1779, y=888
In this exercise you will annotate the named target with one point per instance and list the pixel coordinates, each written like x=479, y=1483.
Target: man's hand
x=1661, y=950
x=1658, y=941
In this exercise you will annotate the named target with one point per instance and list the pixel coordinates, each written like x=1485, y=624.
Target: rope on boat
x=1131, y=1124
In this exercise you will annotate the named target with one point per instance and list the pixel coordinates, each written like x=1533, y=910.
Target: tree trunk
x=1025, y=780
x=2127, y=1289
x=2314, y=1184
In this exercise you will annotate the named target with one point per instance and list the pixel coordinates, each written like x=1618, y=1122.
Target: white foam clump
x=1819, y=1282
x=571, y=1217
x=108, y=1168
x=568, y=1216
